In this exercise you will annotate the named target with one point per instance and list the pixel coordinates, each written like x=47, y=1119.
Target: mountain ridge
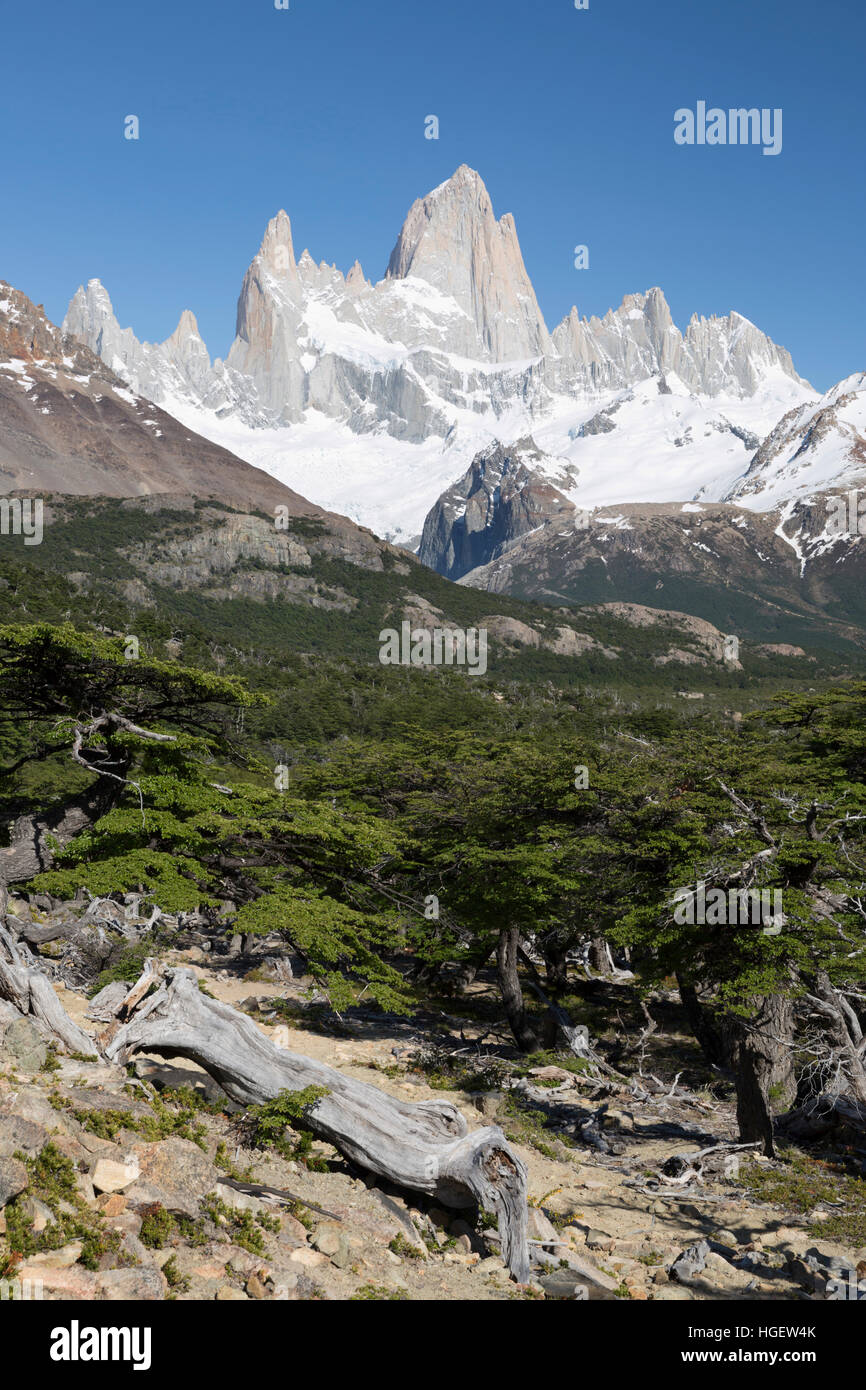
x=334, y=383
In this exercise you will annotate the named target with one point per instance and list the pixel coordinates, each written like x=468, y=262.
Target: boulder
x=179, y=1169
x=144, y=1283
x=23, y=1046
x=20, y=1135
x=109, y=1175
x=13, y=1179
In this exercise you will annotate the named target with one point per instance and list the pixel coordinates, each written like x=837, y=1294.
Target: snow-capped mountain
x=782, y=554
x=371, y=398
x=817, y=447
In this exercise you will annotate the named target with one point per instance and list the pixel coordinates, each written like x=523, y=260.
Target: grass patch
x=800, y=1183
x=378, y=1293
x=163, y=1123
x=267, y=1126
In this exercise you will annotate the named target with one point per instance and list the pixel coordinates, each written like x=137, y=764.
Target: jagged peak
x=93, y=293
x=463, y=178
x=277, y=252
x=438, y=209
x=187, y=329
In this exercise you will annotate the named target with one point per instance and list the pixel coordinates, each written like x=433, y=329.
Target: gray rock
x=145, y=1194
x=24, y=1046
x=540, y=1228
x=584, y=1271
x=567, y=1284
x=690, y=1263
x=143, y=1283
x=598, y=1240
x=487, y=1103
x=13, y=1179
x=19, y=1134
x=180, y=1169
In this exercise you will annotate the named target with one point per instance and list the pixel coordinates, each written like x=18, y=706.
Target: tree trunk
x=845, y=1038
x=507, y=949
x=423, y=1146
x=555, y=968
x=764, y=1069
x=708, y=1030
x=34, y=840
x=599, y=958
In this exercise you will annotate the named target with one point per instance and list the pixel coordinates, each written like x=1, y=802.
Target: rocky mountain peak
x=449, y=350
x=27, y=336
x=356, y=280
x=451, y=239
x=89, y=314
x=187, y=328
x=277, y=253
x=507, y=492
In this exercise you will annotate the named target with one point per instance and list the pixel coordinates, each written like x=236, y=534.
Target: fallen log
x=32, y=995
x=423, y=1146
x=822, y=1114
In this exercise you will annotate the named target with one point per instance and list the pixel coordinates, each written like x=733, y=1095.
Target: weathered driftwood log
x=31, y=993
x=424, y=1146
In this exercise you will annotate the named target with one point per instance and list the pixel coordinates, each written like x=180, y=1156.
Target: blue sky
x=568, y=116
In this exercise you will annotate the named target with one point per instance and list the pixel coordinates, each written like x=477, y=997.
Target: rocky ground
x=114, y=1181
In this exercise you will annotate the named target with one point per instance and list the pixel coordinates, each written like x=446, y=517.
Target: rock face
x=503, y=495
x=452, y=241
x=715, y=356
